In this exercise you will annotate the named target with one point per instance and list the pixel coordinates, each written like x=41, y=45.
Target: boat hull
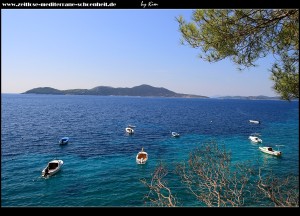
x=129, y=130
x=64, y=140
x=255, y=139
x=273, y=152
x=174, y=134
x=254, y=121
x=52, y=171
x=141, y=158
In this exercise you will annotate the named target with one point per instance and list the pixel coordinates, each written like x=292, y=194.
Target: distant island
x=142, y=91
x=260, y=97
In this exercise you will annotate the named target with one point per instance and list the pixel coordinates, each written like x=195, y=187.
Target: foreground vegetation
x=244, y=36
x=214, y=181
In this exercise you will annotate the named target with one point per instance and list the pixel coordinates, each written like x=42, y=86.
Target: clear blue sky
x=67, y=49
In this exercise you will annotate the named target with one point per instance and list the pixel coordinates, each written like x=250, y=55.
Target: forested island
x=142, y=91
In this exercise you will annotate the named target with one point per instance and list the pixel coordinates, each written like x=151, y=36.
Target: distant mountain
x=142, y=90
x=260, y=97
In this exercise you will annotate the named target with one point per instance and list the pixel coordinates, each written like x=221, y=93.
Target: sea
x=100, y=168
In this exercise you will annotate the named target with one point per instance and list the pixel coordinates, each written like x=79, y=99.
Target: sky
x=85, y=48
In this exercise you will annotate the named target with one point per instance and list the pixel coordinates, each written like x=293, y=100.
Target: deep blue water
x=99, y=161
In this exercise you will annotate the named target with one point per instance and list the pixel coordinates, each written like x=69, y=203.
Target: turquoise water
x=99, y=161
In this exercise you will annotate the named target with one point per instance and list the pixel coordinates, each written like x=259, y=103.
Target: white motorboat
x=64, y=140
x=255, y=139
x=270, y=150
x=174, y=134
x=254, y=121
x=53, y=167
x=129, y=130
x=141, y=157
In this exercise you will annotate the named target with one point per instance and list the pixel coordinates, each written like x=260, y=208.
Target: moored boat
x=64, y=140
x=255, y=138
x=52, y=167
x=270, y=150
x=174, y=134
x=254, y=121
x=141, y=157
x=129, y=130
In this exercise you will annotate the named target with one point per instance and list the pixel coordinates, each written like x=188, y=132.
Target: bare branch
x=159, y=193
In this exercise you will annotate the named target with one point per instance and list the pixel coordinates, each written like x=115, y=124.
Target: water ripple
x=99, y=161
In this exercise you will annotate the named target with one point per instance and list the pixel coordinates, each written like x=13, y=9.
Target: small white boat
x=270, y=150
x=53, y=167
x=129, y=130
x=174, y=134
x=142, y=157
x=64, y=140
x=255, y=139
x=254, y=121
